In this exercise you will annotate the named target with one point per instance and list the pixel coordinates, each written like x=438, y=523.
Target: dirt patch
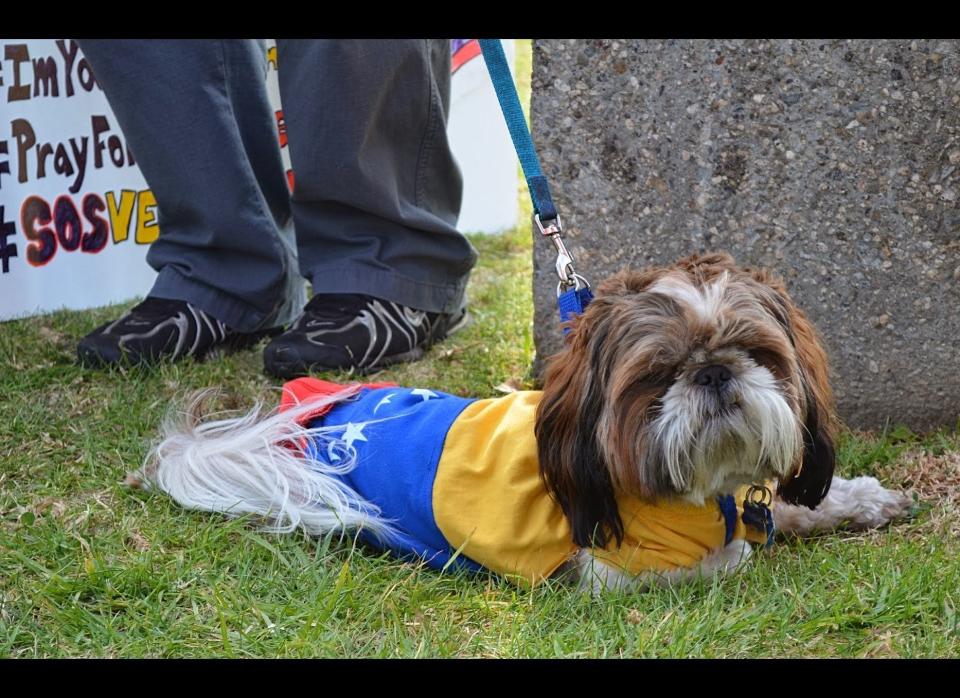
x=935, y=479
x=930, y=476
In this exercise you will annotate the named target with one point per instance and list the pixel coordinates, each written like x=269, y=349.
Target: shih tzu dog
x=683, y=397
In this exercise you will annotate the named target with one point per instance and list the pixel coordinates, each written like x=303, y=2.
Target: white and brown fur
x=684, y=381
x=625, y=408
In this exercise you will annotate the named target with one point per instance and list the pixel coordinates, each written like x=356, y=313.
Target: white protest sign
x=76, y=216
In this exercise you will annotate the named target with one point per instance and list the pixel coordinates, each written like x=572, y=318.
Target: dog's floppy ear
x=566, y=428
x=810, y=484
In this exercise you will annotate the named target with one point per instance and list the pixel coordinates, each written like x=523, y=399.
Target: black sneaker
x=351, y=331
x=161, y=329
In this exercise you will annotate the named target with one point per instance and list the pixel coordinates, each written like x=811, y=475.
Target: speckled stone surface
x=835, y=163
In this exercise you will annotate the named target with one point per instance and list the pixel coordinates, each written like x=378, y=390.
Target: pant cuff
x=233, y=312
x=433, y=298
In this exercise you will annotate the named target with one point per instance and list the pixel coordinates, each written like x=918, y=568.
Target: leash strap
x=573, y=291
x=509, y=100
x=728, y=507
x=571, y=303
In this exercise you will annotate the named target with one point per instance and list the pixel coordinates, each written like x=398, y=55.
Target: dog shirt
x=460, y=481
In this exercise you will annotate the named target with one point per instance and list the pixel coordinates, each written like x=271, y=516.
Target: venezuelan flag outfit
x=459, y=478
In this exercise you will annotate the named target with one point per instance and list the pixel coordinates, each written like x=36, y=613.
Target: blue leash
x=573, y=291
x=502, y=80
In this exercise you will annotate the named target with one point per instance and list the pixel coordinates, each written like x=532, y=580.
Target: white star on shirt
x=425, y=394
x=332, y=455
x=354, y=432
x=384, y=401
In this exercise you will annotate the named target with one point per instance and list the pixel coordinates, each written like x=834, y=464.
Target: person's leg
x=375, y=203
x=197, y=118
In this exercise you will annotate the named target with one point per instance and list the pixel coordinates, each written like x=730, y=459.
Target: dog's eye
x=759, y=356
x=665, y=376
x=649, y=389
x=769, y=360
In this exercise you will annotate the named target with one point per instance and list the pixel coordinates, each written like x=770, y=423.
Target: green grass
x=89, y=568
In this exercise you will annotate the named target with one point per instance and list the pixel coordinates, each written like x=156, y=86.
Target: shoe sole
x=89, y=356
x=296, y=369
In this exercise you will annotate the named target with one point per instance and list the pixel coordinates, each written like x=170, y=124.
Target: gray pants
x=377, y=190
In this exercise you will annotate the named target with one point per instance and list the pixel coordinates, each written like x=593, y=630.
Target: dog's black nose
x=715, y=376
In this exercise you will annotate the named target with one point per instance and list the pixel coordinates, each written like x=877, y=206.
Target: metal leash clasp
x=758, y=495
x=565, y=270
x=756, y=511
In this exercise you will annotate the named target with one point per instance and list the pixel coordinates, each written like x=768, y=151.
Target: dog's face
x=685, y=381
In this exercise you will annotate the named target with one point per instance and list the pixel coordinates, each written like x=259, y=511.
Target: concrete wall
x=835, y=163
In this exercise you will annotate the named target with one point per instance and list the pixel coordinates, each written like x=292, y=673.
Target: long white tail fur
x=255, y=464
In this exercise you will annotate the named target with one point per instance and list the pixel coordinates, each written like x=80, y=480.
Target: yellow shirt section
x=490, y=503
x=488, y=496
x=665, y=535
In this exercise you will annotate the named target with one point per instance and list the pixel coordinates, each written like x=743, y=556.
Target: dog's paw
x=871, y=505
x=897, y=505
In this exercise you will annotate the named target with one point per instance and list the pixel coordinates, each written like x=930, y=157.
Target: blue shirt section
x=398, y=434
